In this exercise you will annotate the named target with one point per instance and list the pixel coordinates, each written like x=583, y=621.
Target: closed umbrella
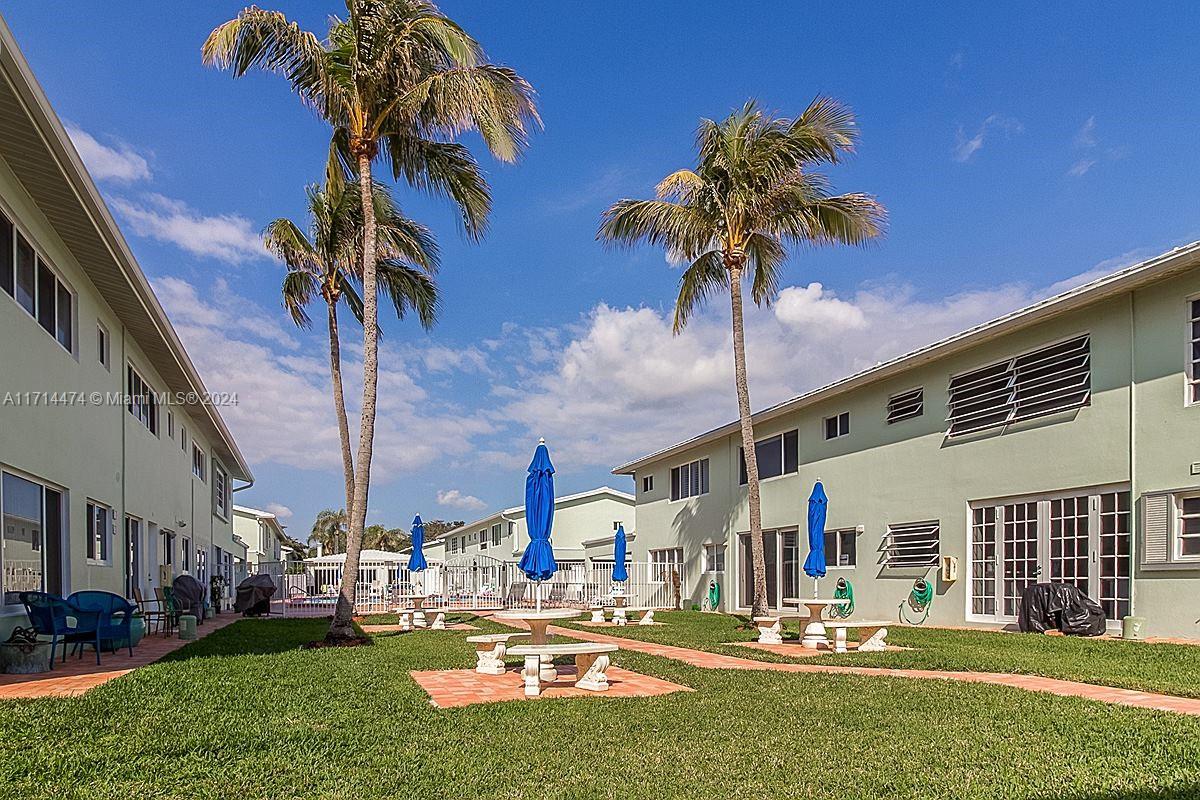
x=620, y=574
x=416, y=560
x=537, y=562
x=814, y=565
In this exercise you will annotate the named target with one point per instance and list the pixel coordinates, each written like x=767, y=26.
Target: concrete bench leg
x=406, y=620
x=770, y=633
x=876, y=642
x=619, y=616
x=815, y=635
x=532, y=676
x=839, y=640
x=647, y=618
x=592, y=671
x=418, y=618
x=439, y=621
x=597, y=615
x=490, y=660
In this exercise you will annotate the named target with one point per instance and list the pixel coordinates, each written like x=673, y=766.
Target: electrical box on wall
x=949, y=569
x=164, y=575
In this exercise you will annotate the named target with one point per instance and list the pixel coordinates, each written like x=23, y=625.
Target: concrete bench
x=619, y=612
x=490, y=649
x=591, y=663
x=770, y=628
x=874, y=634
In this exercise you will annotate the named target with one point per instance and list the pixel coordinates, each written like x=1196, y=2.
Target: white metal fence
x=475, y=582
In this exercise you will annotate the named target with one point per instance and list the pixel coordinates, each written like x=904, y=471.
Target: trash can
x=1131, y=627
x=187, y=626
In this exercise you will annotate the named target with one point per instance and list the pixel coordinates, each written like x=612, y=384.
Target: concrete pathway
x=1033, y=683
x=80, y=674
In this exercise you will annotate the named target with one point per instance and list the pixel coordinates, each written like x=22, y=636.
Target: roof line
x=518, y=509
x=1143, y=272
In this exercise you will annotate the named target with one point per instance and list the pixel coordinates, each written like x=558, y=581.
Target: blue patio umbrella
x=416, y=560
x=814, y=565
x=537, y=562
x=620, y=574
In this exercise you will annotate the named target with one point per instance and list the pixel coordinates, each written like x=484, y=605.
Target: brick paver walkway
x=395, y=627
x=78, y=675
x=452, y=688
x=1033, y=683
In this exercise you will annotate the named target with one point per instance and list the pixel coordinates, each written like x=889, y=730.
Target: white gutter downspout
x=513, y=523
x=1135, y=521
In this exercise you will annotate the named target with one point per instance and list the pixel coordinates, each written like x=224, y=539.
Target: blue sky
x=1018, y=147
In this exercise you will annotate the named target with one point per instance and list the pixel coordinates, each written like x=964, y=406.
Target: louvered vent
x=911, y=544
x=905, y=405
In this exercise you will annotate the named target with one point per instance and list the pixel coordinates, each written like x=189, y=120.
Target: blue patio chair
x=114, y=615
x=51, y=615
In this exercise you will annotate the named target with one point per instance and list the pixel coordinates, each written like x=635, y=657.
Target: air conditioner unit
x=949, y=569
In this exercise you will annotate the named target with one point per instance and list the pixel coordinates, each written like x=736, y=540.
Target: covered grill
x=254, y=595
x=1046, y=606
x=189, y=596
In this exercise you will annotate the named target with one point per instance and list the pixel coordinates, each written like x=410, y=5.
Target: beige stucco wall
x=98, y=452
x=909, y=472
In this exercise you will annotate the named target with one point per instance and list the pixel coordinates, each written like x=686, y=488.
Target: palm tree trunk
x=339, y=404
x=342, y=624
x=743, y=395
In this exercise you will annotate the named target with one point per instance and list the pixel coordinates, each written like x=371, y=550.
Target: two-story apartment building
x=584, y=524
x=113, y=472
x=1060, y=442
x=264, y=537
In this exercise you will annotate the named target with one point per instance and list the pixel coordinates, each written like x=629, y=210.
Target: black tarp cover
x=1059, y=606
x=189, y=596
x=254, y=595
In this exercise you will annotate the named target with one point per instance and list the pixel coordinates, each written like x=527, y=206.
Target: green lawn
x=244, y=713
x=1166, y=668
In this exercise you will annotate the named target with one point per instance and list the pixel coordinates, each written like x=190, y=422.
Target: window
x=453, y=544
x=170, y=425
x=143, y=404
x=616, y=524
x=840, y=548
x=31, y=538
x=837, y=426
x=220, y=491
x=103, y=350
x=1052, y=379
x=648, y=483
x=776, y=455
x=911, y=544
x=689, y=480
x=483, y=539
x=199, y=464
x=714, y=557
x=905, y=405
x=983, y=561
x=1188, y=540
x=664, y=562
x=32, y=282
x=183, y=438
x=201, y=565
x=99, y=533
x=185, y=554
x=1193, y=364
x=168, y=553
x=496, y=534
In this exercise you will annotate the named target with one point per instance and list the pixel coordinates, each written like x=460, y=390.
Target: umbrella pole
x=816, y=591
x=537, y=602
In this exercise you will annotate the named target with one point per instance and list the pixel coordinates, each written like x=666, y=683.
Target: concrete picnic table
x=418, y=608
x=537, y=620
x=815, y=635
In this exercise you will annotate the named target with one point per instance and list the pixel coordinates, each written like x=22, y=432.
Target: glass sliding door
x=772, y=541
x=1115, y=562
x=1069, y=542
x=133, y=555
x=1021, y=567
x=31, y=536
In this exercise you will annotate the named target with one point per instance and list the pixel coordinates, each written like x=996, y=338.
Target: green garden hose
x=713, y=600
x=918, y=600
x=843, y=590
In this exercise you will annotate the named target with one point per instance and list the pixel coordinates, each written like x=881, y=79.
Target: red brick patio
x=454, y=688
x=78, y=675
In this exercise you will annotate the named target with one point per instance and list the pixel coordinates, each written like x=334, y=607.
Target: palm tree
x=329, y=531
x=381, y=537
x=327, y=262
x=397, y=78
x=751, y=196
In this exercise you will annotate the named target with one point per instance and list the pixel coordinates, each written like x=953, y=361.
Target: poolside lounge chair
x=515, y=594
x=113, y=617
x=51, y=615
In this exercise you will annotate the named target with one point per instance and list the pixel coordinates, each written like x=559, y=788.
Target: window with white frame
x=665, y=561
x=28, y=278
x=497, y=533
x=1193, y=363
x=142, y=402
x=837, y=426
x=183, y=440
x=1187, y=542
x=714, y=557
x=841, y=548
x=99, y=533
x=483, y=539
x=199, y=463
x=185, y=554
x=168, y=553
x=905, y=405
x=776, y=455
x=31, y=537
x=647, y=483
x=170, y=425
x=1046, y=381
x=103, y=347
x=911, y=544
x=220, y=491
x=689, y=480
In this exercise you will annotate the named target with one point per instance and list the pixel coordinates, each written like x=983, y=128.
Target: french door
x=1079, y=538
x=133, y=555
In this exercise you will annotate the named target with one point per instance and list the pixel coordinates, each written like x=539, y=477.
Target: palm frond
x=299, y=289
x=268, y=40
x=445, y=168
x=409, y=288
x=706, y=275
x=681, y=229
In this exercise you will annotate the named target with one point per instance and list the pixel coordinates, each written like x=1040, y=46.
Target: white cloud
x=453, y=498
x=1081, y=167
x=227, y=237
x=1086, y=136
x=117, y=162
x=817, y=311
x=965, y=148
x=279, y=510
